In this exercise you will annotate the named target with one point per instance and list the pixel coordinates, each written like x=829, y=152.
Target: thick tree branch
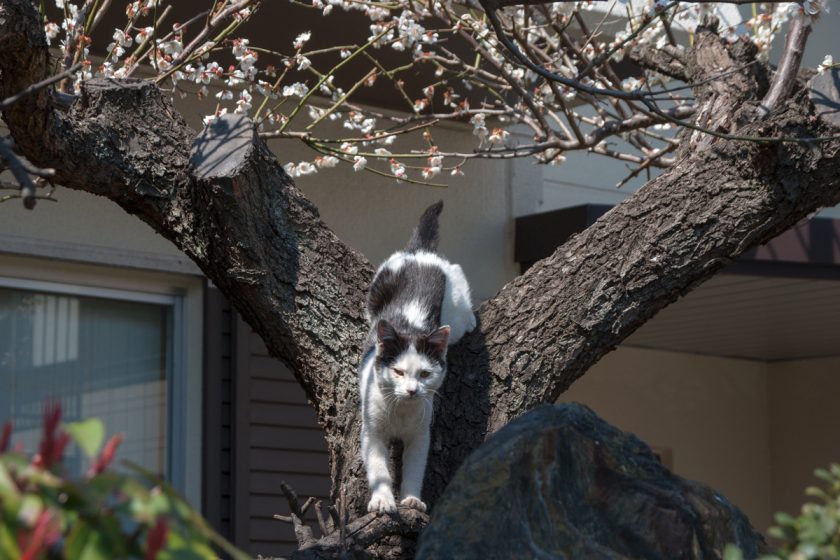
x=229, y=206
x=666, y=60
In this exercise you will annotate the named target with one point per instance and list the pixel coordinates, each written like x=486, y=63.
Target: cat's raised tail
x=425, y=235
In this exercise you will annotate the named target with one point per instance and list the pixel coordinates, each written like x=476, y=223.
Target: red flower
x=106, y=457
x=5, y=437
x=52, y=443
x=43, y=536
x=156, y=538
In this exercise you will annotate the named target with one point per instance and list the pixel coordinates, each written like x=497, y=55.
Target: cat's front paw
x=382, y=501
x=413, y=503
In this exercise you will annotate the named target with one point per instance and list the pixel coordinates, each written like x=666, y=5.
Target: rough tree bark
x=239, y=217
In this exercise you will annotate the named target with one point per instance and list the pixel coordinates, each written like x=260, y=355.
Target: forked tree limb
x=239, y=217
x=784, y=78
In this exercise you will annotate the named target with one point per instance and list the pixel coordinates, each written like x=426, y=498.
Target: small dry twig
x=303, y=532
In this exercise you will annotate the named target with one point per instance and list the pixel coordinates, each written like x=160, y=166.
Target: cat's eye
x=425, y=373
x=398, y=372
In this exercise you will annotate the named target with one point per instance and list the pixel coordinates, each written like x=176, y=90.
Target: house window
x=101, y=353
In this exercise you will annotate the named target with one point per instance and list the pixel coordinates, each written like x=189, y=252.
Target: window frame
x=185, y=294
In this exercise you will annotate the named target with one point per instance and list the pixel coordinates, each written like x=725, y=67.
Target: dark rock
x=560, y=483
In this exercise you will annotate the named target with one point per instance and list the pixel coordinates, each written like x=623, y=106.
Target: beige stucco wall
x=805, y=425
x=712, y=412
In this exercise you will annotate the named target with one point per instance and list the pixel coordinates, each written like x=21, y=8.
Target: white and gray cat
x=418, y=305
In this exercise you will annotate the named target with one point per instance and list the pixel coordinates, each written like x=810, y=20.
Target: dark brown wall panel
x=217, y=398
x=276, y=439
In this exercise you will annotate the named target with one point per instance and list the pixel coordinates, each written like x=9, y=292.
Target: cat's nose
x=411, y=392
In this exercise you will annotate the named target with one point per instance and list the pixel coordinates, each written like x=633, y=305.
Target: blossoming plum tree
x=494, y=92
x=745, y=150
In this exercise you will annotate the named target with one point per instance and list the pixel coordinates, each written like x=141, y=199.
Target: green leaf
x=824, y=475
x=783, y=518
x=8, y=489
x=88, y=434
x=8, y=545
x=777, y=533
x=180, y=548
x=732, y=552
x=94, y=546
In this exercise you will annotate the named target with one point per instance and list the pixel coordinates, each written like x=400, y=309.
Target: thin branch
x=649, y=162
x=166, y=37
x=16, y=166
x=785, y=75
x=303, y=532
x=40, y=85
x=213, y=23
x=493, y=18
x=322, y=523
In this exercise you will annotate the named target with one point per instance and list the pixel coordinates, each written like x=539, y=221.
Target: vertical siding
x=276, y=438
x=218, y=395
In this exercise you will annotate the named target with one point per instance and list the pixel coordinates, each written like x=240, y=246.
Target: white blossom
x=51, y=29
x=479, y=129
x=429, y=172
x=240, y=47
x=349, y=148
x=301, y=39
x=631, y=83
x=302, y=62
x=326, y=162
x=498, y=136
x=359, y=163
x=210, y=118
x=826, y=64
x=243, y=104
x=398, y=169
x=171, y=47
x=297, y=89
x=143, y=34
x=306, y=168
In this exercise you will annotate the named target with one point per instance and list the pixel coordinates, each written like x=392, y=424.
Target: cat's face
x=410, y=367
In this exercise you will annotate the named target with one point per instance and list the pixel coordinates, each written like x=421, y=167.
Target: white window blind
x=99, y=357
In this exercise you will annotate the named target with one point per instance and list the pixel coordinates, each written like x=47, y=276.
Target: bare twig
x=40, y=85
x=303, y=532
x=100, y=13
x=322, y=524
x=650, y=161
x=333, y=511
x=16, y=166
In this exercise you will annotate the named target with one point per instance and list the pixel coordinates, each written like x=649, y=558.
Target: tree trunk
x=234, y=211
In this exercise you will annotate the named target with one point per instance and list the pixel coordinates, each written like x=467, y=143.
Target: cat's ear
x=386, y=334
x=439, y=339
